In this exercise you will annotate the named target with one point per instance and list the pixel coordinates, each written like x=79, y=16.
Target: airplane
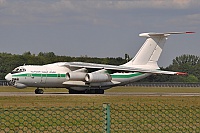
x=92, y=78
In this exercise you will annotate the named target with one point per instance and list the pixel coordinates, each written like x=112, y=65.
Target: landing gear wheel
x=94, y=91
x=76, y=92
x=39, y=91
x=89, y=91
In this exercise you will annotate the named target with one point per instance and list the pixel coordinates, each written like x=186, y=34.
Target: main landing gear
x=39, y=91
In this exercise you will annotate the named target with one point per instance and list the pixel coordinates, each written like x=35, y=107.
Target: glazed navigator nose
x=8, y=77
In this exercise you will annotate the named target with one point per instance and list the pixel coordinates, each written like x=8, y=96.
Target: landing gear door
x=43, y=78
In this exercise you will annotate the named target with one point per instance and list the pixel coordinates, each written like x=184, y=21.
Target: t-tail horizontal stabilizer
x=148, y=55
x=163, y=34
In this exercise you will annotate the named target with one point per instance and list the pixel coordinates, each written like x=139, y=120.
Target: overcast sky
x=97, y=28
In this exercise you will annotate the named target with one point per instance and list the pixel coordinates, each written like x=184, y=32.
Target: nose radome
x=8, y=77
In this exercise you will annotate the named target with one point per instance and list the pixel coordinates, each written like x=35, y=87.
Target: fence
x=106, y=118
x=4, y=83
x=163, y=84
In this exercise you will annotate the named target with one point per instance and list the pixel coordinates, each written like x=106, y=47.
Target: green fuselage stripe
x=39, y=75
x=54, y=75
x=125, y=75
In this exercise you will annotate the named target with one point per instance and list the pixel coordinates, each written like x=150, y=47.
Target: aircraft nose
x=8, y=77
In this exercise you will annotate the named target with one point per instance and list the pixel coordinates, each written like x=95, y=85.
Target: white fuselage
x=54, y=76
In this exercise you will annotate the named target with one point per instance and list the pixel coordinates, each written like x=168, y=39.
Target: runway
x=106, y=94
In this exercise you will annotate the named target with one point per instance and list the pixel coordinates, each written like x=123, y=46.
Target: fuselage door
x=43, y=78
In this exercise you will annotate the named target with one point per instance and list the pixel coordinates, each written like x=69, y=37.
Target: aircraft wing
x=113, y=68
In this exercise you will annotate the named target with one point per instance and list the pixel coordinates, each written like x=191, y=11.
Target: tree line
x=10, y=61
x=183, y=63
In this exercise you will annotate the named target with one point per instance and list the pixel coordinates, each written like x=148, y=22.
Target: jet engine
x=97, y=77
x=75, y=76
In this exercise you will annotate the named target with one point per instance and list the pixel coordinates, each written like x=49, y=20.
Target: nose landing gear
x=39, y=91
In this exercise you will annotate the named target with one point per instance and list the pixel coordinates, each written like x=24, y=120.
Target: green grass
x=30, y=89
x=155, y=89
x=114, y=89
x=64, y=101
x=85, y=100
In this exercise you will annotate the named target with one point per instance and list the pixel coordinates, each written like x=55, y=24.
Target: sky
x=98, y=28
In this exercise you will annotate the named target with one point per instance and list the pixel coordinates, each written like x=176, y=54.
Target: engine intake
x=97, y=77
x=75, y=76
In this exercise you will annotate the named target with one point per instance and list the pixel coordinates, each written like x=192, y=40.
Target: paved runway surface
x=106, y=94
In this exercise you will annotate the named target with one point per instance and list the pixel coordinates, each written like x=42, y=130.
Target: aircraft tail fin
x=151, y=50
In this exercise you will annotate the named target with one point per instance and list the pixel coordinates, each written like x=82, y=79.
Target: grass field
x=114, y=89
x=129, y=113
x=81, y=100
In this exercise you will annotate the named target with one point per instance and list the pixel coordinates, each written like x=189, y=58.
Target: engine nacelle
x=75, y=76
x=97, y=77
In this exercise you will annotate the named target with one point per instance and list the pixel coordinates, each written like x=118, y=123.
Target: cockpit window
x=18, y=70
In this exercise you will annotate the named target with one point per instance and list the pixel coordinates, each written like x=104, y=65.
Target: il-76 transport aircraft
x=91, y=78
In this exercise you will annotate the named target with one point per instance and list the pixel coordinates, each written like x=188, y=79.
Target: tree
x=10, y=61
x=183, y=63
x=27, y=53
x=187, y=63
